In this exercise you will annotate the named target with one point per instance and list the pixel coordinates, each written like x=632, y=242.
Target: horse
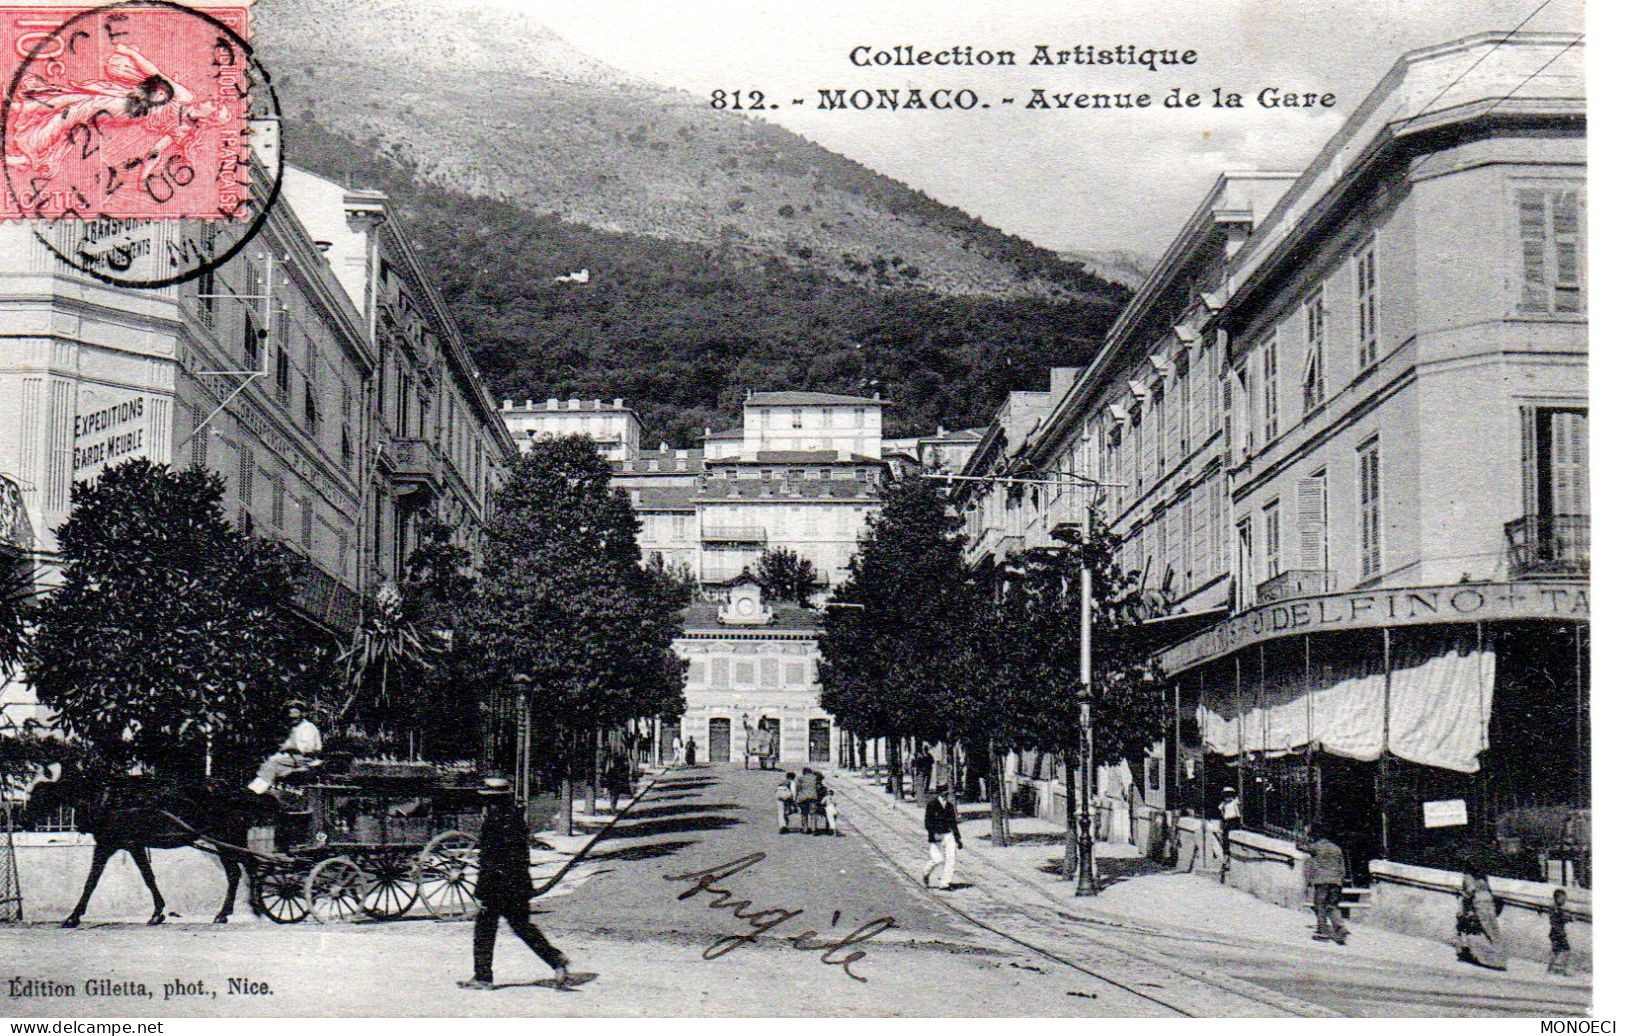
x=139, y=814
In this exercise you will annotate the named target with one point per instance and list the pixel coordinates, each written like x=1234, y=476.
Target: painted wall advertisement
x=110, y=426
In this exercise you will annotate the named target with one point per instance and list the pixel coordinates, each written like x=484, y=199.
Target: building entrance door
x=721, y=740
x=770, y=724
x=818, y=740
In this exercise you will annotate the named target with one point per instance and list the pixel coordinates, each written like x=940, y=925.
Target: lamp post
x=521, y=694
x=1076, y=533
x=1088, y=883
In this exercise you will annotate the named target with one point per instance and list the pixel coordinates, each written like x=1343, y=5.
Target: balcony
x=1295, y=583
x=1549, y=545
x=734, y=534
x=714, y=575
x=417, y=466
x=322, y=597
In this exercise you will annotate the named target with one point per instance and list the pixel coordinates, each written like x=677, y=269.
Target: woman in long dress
x=1478, y=931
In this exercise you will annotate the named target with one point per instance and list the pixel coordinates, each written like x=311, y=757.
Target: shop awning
x=1437, y=701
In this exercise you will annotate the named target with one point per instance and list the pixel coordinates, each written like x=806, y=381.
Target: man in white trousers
x=942, y=834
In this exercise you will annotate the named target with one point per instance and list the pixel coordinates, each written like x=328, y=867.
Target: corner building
x=1342, y=430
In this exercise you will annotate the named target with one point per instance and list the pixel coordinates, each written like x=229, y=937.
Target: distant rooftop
x=718, y=490
x=726, y=433
x=811, y=399
x=531, y=406
x=787, y=618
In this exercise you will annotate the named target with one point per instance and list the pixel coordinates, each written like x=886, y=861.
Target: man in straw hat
x=503, y=887
x=300, y=751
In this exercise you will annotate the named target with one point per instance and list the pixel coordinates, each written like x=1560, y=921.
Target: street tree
x=786, y=576
x=1035, y=667
x=170, y=635
x=565, y=599
x=893, y=654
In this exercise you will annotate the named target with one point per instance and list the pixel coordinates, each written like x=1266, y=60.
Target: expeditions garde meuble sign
x=107, y=430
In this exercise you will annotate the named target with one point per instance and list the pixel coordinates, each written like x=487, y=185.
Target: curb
x=1291, y=1005
x=581, y=853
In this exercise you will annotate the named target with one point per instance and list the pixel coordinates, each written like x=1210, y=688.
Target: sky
x=1066, y=179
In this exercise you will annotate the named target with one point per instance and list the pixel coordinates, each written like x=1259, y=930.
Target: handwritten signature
x=766, y=919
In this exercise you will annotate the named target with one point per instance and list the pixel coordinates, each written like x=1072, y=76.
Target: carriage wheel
x=280, y=895
x=446, y=872
x=392, y=887
x=335, y=889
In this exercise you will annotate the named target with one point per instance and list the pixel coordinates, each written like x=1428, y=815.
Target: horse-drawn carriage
x=369, y=838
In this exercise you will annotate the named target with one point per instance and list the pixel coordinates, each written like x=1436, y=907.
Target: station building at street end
x=1342, y=431
x=803, y=471
x=316, y=371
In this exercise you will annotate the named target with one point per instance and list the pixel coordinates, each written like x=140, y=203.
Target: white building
x=612, y=426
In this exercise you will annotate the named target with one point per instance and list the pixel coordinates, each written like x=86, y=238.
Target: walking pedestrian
x=832, y=815
x=1229, y=820
x=1478, y=930
x=941, y=824
x=690, y=752
x=1559, y=934
x=806, y=798
x=676, y=748
x=1325, y=871
x=786, y=794
x=503, y=888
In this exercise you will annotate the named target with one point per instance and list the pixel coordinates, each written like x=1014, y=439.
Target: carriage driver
x=300, y=751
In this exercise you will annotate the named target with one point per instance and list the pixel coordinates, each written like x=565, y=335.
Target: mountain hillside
x=724, y=252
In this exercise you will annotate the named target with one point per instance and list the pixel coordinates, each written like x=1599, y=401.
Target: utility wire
x=1526, y=79
x=1427, y=109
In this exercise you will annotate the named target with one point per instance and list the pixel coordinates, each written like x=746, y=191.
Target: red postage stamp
x=135, y=110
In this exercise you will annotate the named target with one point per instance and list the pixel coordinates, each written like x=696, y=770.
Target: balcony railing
x=322, y=597
x=1549, y=545
x=734, y=534
x=714, y=574
x=1302, y=582
x=416, y=462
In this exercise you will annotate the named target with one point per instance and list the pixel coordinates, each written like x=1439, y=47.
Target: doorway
x=818, y=740
x=721, y=747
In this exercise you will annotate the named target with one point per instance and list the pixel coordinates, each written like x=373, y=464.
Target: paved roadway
x=646, y=949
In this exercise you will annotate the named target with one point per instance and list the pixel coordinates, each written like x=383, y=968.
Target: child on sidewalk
x=1559, y=935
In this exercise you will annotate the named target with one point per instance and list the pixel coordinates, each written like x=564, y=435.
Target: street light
x=521, y=693
x=1078, y=534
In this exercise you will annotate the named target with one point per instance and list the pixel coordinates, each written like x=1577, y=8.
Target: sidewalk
x=1139, y=896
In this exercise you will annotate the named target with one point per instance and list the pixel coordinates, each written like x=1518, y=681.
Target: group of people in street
x=808, y=801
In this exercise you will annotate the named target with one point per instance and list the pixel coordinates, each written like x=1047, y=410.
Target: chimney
x=574, y=404
x=708, y=431
x=617, y=403
x=664, y=447
x=552, y=404
x=598, y=404
x=507, y=404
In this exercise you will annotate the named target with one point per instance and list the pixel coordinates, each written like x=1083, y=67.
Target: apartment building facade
x=270, y=369
x=1342, y=433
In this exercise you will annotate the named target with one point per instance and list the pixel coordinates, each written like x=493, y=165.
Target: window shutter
x=1312, y=523
x=1529, y=418
x=1570, y=495
x=1566, y=251
x=1199, y=534
x=1532, y=237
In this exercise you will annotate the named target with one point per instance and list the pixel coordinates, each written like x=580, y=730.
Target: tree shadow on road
x=633, y=828
x=644, y=852
x=686, y=784
x=641, y=814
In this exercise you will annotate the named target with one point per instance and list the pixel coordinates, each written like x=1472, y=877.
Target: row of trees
x=919, y=646
x=171, y=642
